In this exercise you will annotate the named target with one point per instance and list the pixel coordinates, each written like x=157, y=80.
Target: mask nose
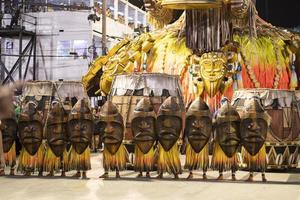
x=109, y=128
x=232, y=129
x=255, y=126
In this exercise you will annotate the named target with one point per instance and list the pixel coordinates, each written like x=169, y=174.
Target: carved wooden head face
x=253, y=134
x=198, y=130
x=80, y=133
x=143, y=129
x=254, y=126
x=111, y=127
x=31, y=135
x=56, y=134
x=228, y=137
x=143, y=125
x=169, y=123
x=228, y=129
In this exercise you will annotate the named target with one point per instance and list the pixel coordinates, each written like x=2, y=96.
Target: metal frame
x=29, y=52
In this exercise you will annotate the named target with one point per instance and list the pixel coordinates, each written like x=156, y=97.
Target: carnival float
x=217, y=49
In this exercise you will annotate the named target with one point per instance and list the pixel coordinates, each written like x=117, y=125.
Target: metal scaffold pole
x=104, y=27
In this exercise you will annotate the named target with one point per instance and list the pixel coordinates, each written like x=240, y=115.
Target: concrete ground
x=280, y=185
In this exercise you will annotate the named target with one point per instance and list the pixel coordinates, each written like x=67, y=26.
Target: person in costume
x=227, y=140
x=9, y=128
x=198, y=128
x=112, y=133
x=169, y=127
x=80, y=131
x=31, y=137
x=254, y=128
x=56, y=157
x=143, y=129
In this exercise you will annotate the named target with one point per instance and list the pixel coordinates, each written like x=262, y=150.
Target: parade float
x=217, y=49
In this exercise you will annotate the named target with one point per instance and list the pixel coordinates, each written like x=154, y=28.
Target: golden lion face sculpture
x=209, y=73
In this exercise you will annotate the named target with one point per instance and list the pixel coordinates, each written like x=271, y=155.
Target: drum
x=282, y=144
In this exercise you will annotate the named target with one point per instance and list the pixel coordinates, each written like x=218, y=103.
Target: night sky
x=284, y=13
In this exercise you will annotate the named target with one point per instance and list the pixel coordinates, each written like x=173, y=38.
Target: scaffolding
x=26, y=58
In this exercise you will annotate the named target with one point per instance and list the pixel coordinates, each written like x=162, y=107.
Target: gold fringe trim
x=53, y=163
x=195, y=161
x=29, y=163
x=144, y=162
x=80, y=161
x=169, y=161
x=257, y=162
x=116, y=161
x=11, y=157
x=221, y=162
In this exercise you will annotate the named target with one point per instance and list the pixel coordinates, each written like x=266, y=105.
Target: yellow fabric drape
x=144, y=162
x=257, y=162
x=221, y=162
x=31, y=163
x=195, y=161
x=116, y=161
x=54, y=163
x=169, y=161
x=10, y=157
x=79, y=161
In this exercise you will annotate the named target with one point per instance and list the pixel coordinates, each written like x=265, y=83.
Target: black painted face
x=168, y=129
x=9, y=133
x=112, y=135
x=228, y=136
x=57, y=137
x=253, y=134
x=198, y=131
x=143, y=129
x=31, y=135
x=80, y=134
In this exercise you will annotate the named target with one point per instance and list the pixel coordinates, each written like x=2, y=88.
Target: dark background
x=284, y=13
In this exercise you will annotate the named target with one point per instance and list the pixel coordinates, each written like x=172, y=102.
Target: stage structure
x=27, y=39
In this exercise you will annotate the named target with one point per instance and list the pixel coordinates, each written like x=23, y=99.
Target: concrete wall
x=63, y=27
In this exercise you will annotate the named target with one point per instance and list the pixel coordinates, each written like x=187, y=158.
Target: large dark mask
x=80, y=126
x=254, y=126
x=9, y=130
x=228, y=129
x=111, y=127
x=198, y=125
x=57, y=129
x=31, y=128
x=143, y=125
x=169, y=123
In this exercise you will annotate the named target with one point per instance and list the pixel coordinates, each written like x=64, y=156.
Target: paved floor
x=281, y=186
